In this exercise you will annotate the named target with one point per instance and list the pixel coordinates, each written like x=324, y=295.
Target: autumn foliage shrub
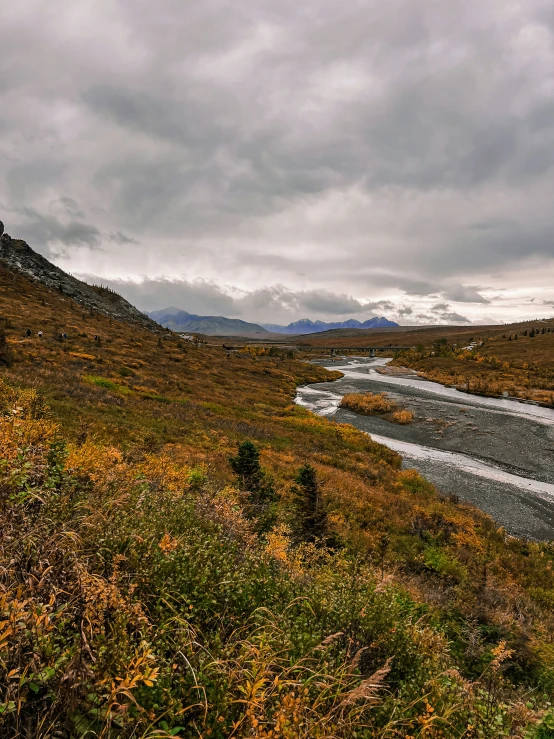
x=368, y=403
x=402, y=417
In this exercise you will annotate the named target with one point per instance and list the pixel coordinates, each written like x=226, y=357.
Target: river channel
x=494, y=452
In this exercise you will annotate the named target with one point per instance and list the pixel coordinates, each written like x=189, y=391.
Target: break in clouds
x=281, y=160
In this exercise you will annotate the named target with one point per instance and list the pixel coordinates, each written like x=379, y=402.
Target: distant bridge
x=371, y=350
x=332, y=350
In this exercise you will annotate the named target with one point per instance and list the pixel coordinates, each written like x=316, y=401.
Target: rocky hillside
x=18, y=255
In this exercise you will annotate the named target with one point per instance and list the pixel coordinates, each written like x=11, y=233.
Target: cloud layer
x=308, y=159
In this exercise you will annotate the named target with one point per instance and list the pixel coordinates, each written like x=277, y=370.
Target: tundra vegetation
x=518, y=363
x=185, y=552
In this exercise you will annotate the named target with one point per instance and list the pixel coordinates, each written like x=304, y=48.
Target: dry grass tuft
x=377, y=404
x=369, y=690
x=402, y=417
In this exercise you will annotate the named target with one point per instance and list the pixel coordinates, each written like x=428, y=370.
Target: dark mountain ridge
x=17, y=255
x=306, y=326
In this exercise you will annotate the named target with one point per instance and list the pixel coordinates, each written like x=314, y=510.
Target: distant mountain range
x=305, y=326
x=179, y=320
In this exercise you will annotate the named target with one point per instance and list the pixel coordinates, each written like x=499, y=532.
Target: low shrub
x=107, y=384
x=439, y=561
x=5, y=351
x=402, y=417
x=368, y=404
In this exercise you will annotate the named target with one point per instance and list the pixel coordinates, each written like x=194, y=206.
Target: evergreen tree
x=441, y=347
x=246, y=465
x=311, y=518
x=254, y=481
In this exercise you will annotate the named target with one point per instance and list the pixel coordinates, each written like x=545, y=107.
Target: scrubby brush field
x=518, y=363
x=157, y=579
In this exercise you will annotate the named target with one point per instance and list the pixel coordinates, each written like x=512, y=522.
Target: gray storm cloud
x=314, y=158
x=206, y=298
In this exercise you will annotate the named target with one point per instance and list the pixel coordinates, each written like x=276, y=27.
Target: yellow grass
x=377, y=404
x=402, y=417
x=368, y=403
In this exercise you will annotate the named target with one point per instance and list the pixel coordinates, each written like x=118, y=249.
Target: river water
x=494, y=452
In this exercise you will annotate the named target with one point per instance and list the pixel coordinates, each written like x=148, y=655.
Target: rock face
x=18, y=255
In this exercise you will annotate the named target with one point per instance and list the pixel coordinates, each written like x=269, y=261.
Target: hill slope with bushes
x=185, y=552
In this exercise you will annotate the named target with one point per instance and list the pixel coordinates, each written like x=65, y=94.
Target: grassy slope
x=522, y=367
x=137, y=597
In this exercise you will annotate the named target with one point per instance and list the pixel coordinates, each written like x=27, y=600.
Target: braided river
x=496, y=453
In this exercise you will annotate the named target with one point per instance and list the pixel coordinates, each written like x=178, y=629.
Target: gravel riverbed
x=496, y=453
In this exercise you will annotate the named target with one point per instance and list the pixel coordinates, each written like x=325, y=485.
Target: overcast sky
x=278, y=160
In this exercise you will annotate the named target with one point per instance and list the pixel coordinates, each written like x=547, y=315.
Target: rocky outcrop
x=18, y=255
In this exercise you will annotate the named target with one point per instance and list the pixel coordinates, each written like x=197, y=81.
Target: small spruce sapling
x=311, y=518
x=252, y=479
x=246, y=465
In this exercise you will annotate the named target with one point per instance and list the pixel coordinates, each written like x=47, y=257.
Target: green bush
x=107, y=384
x=439, y=561
x=197, y=477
